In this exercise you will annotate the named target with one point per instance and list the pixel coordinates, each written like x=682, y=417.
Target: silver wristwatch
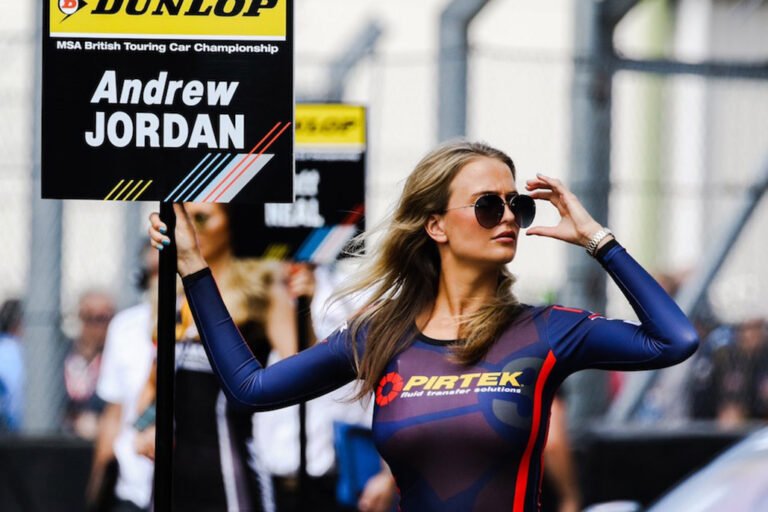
x=591, y=246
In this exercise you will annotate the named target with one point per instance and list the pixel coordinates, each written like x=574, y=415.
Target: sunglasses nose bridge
x=508, y=207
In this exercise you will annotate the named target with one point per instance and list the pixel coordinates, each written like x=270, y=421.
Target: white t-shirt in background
x=125, y=367
x=277, y=432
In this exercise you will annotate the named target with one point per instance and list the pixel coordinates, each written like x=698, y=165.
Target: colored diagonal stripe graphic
x=106, y=198
x=192, y=173
x=354, y=215
x=211, y=164
x=323, y=245
x=223, y=163
x=221, y=176
x=230, y=196
x=333, y=244
x=136, y=186
x=122, y=187
x=142, y=190
x=311, y=243
x=117, y=197
x=276, y=251
x=251, y=170
x=270, y=132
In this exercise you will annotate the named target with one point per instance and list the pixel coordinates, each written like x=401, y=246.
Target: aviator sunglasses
x=489, y=209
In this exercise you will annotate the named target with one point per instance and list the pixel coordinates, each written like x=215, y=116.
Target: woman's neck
x=461, y=291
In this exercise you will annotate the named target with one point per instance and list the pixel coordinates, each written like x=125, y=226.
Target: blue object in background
x=11, y=383
x=356, y=461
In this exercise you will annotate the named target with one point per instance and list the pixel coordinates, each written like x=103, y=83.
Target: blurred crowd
x=107, y=371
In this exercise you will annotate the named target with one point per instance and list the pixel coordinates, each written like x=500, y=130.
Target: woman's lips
x=506, y=236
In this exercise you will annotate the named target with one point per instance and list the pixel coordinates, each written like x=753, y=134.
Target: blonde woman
x=462, y=373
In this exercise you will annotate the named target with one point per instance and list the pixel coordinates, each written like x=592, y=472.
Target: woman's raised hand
x=187, y=251
x=576, y=225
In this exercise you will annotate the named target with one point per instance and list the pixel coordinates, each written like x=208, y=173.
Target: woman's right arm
x=313, y=372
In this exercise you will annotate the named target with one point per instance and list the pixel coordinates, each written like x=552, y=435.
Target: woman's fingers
x=537, y=184
x=181, y=215
x=188, y=255
x=546, y=195
x=542, y=182
x=550, y=231
x=552, y=190
x=554, y=183
x=156, y=223
x=157, y=230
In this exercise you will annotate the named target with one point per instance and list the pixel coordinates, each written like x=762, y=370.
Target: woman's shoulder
x=522, y=311
x=551, y=313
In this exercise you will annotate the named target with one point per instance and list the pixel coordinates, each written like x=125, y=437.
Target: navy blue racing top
x=458, y=437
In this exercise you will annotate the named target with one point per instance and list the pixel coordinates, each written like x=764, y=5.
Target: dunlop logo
x=184, y=19
x=226, y=8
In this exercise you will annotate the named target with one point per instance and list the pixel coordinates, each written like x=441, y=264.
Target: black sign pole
x=166, y=346
x=303, y=318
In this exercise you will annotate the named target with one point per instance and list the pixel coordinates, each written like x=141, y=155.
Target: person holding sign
x=463, y=374
x=216, y=467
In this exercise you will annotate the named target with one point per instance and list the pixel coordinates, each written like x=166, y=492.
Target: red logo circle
x=69, y=7
x=389, y=388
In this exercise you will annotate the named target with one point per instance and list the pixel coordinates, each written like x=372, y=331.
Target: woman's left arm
x=664, y=337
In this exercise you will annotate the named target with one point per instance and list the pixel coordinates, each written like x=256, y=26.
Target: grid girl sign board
x=168, y=100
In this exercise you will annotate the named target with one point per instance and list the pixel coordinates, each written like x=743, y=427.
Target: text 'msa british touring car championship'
x=168, y=100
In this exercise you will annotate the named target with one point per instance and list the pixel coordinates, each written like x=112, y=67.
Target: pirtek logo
x=391, y=384
x=223, y=8
x=466, y=380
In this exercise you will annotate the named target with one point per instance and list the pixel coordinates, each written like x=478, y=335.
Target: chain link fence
x=685, y=150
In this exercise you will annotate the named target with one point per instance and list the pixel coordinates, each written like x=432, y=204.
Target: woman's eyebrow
x=494, y=193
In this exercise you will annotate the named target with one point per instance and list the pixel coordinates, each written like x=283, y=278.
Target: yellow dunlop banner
x=330, y=125
x=253, y=20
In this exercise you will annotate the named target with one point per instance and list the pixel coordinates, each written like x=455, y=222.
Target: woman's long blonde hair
x=403, y=271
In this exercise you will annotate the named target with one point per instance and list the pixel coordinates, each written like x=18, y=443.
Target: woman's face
x=466, y=239
x=212, y=227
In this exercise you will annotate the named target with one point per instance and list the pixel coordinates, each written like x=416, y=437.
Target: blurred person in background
x=442, y=314
x=216, y=465
x=702, y=386
x=278, y=430
x=82, y=364
x=559, y=465
x=740, y=375
x=121, y=479
x=11, y=366
x=662, y=400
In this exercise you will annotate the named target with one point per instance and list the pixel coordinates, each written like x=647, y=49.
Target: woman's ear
x=435, y=228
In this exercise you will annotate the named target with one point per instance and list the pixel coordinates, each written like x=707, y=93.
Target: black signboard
x=329, y=186
x=169, y=100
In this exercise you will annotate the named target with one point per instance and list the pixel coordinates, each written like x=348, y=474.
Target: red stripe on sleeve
x=570, y=310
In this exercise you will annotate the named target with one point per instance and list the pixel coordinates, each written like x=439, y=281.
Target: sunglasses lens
x=524, y=208
x=489, y=210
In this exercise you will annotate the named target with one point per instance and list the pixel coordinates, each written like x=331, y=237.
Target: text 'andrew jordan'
x=169, y=129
